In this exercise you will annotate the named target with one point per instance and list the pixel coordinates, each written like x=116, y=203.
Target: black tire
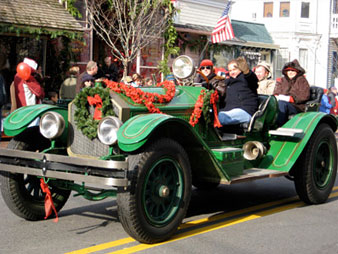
x=157, y=200
x=316, y=168
x=22, y=193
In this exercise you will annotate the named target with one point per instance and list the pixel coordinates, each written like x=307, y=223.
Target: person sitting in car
x=214, y=81
x=292, y=91
x=241, y=95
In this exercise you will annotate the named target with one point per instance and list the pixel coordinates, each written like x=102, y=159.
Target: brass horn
x=253, y=150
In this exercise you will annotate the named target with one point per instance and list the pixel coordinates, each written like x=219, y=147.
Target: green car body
x=203, y=156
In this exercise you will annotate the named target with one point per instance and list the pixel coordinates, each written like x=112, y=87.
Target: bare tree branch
x=127, y=26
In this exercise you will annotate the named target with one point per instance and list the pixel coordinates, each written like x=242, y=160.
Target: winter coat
x=215, y=82
x=242, y=93
x=325, y=105
x=67, y=89
x=27, y=92
x=266, y=86
x=298, y=87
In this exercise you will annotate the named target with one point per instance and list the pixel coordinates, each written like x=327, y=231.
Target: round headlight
x=183, y=67
x=52, y=125
x=107, y=130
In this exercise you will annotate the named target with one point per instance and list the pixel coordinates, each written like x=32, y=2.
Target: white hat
x=266, y=66
x=31, y=63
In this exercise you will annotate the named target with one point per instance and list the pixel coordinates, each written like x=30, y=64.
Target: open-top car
x=148, y=146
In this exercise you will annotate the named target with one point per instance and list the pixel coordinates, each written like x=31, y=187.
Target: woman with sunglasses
x=214, y=81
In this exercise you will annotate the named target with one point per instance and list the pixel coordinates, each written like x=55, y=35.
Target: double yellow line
x=196, y=227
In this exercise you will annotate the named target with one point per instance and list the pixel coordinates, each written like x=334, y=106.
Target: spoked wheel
x=22, y=193
x=159, y=195
x=316, y=169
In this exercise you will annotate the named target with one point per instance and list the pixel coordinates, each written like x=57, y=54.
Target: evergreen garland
x=84, y=120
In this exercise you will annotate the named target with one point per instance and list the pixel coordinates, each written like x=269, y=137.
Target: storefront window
x=149, y=60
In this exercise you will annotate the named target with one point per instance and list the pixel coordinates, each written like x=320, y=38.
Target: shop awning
x=247, y=34
x=36, y=16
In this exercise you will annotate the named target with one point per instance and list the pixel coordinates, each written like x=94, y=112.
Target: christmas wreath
x=100, y=99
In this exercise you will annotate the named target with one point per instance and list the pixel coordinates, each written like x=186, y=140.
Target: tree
x=127, y=26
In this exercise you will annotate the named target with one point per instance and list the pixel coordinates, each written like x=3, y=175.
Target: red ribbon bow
x=213, y=100
x=97, y=102
x=49, y=205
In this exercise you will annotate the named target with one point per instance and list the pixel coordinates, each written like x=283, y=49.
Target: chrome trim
x=107, y=181
x=288, y=132
x=121, y=165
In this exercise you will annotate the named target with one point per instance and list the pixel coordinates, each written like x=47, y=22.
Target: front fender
x=283, y=153
x=21, y=118
x=133, y=134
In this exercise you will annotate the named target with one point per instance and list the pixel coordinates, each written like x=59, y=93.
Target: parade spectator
x=68, y=86
x=325, y=105
x=87, y=80
x=91, y=70
x=332, y=93
x=292, y=91
x=27, y=91
x=148, y=82
x=265, y=84
x=213, y=81
x=109, y=69
x=241, y=94
x=137, y=80
x=52, y=98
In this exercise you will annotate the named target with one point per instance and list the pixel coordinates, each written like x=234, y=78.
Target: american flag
x=223, y=30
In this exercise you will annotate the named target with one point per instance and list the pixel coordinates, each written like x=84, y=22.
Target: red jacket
x=27, y=92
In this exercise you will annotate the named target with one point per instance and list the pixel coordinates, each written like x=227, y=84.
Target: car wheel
x=22, y=193
x=316, y=168
x=157, y=199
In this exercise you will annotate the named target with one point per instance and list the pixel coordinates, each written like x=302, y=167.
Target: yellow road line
x=103, y=246
x=214, y=227
x=185, y=225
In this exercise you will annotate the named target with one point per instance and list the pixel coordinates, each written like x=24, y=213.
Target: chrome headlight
x=52, y=125
x=107, y=130
x=183, y=67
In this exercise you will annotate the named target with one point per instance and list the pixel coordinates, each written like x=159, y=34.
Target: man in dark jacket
x=292, y=91
x=241, y=94
x=109, y=69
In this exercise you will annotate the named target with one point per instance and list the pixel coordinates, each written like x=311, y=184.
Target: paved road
x=263, y=216
x=255, y=217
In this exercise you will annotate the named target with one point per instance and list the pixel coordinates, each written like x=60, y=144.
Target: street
x=263, y=216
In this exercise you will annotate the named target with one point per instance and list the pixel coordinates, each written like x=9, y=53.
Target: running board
x=254, y=174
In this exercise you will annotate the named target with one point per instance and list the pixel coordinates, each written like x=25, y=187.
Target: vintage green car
x=151, y=146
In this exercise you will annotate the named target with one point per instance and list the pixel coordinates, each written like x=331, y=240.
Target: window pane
x=303, y=53
x=305, y=10
x=335, y=6
x=268, y=9
x=284, y=9
x=283, y=56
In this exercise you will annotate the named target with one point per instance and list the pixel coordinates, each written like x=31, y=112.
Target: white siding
x=199, y=12
x=294, y=33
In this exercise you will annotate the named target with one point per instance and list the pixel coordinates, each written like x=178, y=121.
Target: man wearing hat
x=214, y=81
x=265, y=84
x=292, y=91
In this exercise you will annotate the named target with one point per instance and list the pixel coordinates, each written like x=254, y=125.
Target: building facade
x=305, y=30
x=198, y=18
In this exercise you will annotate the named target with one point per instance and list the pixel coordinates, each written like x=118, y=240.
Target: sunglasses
x=206, y=67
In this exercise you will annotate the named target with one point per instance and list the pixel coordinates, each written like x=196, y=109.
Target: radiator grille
x=79, y=144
